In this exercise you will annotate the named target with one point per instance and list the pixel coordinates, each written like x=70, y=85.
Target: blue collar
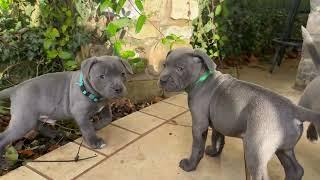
x=92, y=97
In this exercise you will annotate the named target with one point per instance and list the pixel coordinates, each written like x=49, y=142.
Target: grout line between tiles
x=175, y=124
x=88, y=148
x=153, y=115
x=38, y=172
x=126, y=129
x=131, y=142
x=174, y=104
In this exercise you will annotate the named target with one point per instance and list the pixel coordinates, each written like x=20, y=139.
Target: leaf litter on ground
x=34, y=144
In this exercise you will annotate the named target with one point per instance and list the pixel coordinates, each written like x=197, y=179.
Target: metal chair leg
x=286, y=34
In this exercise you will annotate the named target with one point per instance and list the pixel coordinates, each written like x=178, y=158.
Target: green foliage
x=171, y=39
x=30, y=49
x=11, y=154
x=63, y=35
x=232, y=27
x=140, y=23
x=4, y=5
x=120, y=25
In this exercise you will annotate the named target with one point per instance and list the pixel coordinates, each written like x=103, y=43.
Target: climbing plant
x=227, y=28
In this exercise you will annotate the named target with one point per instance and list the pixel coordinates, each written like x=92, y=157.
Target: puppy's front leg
x=199, y=134
x=105, y=118
x=88, y=132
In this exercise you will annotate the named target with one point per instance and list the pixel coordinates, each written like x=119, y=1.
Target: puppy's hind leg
x=292, y=168
x=217, y=140
x=258, y=154
x=20, y=124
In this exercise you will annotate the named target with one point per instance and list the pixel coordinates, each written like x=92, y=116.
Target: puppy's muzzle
x=118, y=90
x=163, y=80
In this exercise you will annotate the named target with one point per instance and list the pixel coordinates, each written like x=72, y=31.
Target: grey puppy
x=78, y=95
x=311, y=95
x=267, y=122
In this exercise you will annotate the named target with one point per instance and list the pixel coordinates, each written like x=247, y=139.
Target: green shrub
x=231, y=28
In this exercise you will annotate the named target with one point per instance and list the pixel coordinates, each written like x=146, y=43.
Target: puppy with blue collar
x=74, y=95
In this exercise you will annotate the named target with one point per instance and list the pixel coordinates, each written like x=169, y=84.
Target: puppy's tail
x=311, y=47
x=303, y=115
x=6, y=93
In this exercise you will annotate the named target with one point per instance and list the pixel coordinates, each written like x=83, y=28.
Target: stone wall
x=167, y=17
x=306, y=70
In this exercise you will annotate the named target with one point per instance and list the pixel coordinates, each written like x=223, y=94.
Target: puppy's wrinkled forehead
x=179, y=55
x=109, y=64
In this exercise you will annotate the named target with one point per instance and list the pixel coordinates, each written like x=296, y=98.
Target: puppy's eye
x=102, y=76
x=123, y=74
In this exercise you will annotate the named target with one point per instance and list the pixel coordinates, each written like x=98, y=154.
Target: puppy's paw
x=97, y=143
x=186, y=165
x=213, y=151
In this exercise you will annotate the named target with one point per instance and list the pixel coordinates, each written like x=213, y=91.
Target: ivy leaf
x=105, y=5
x=140, y=23
x=121, y=23
x=120, y=5
x=64, y=55
x=172, y=37
x=208, y=27
x=216, y=54
x=52, y=54
x=70, y=65
x=69, y=13
x=218, y=10
x=47, y=43
x=111, y=29
x=117, y=47
x=139, y=4
x=216, y=37
x=135, y=60
x=164, y=41
x=127, y=54
x=11, y=154
x=53, y=33
x=64, y=28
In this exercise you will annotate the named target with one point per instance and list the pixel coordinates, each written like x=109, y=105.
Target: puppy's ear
x=127, y=66
x=87, y=64
x=168, y=53
x=208, y=62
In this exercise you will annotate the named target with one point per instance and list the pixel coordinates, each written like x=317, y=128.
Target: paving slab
x=157, y=155
x=22, y=173
x=184, y=119
x=179, y=100
x=66, y=170
x=115, y=138
x=138, y=122
x=163, y=110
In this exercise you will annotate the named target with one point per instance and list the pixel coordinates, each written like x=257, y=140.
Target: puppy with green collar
x=268, y=123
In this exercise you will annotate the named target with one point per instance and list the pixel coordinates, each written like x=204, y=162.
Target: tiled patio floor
x=149, y=144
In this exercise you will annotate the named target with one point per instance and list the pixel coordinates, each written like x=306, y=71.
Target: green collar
x=92, y=97
x=201, y=79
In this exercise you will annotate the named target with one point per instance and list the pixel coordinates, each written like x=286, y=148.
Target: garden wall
x=167, y=17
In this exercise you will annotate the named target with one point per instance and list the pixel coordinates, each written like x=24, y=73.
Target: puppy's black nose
x=118, y=90
x=163, y=80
